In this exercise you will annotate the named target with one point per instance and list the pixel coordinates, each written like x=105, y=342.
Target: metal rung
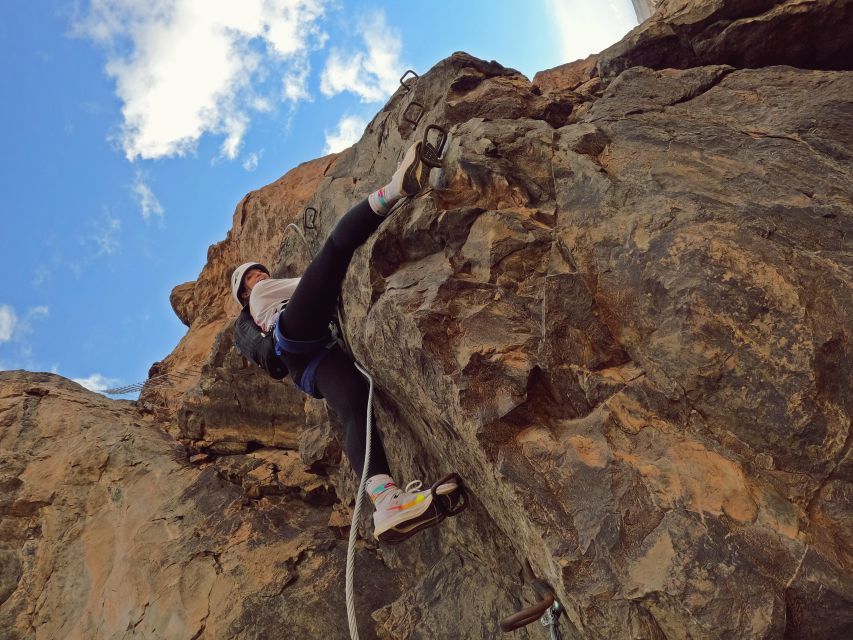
x=408, y=85
x=419, y=110
x=431, y=153
x=309, y=218
x=548, y=609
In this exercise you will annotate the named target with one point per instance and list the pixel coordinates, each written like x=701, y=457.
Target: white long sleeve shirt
x=268, y=298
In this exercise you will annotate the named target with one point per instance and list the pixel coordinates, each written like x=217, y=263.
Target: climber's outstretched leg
x=312, y=306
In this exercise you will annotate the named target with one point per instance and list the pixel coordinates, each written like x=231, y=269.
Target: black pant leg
x=345, y=390
x=313, y=303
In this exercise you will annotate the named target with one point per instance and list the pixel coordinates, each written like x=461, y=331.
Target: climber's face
x=253, y=277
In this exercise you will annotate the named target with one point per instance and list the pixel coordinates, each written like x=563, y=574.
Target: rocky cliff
x=621, y=312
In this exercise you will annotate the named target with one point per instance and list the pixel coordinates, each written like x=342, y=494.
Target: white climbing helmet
x=237, y=278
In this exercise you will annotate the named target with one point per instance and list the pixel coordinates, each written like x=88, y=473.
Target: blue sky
x=131, y=129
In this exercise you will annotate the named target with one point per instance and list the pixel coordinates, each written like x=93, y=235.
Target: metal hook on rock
x=548, y=609
x=408, y=85
x=431, y=152
x=309, y=218
x=419, y=111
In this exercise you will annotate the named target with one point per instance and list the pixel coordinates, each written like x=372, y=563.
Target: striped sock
x=383, y=200
x=404, y=182
x=379, y=484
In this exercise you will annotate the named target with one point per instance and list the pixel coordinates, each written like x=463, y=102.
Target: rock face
x=109, y=532
x=621, y=312
x=812, y=34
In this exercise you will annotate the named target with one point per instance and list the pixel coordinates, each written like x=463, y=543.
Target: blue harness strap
x=308, y=381
x=319, y=348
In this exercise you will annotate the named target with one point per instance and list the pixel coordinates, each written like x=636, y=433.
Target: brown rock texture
x=109, y=532
x=621, y=312
x=567, y=76
x=812, y=34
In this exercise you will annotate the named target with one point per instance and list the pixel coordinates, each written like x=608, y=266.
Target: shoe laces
x=413, y=486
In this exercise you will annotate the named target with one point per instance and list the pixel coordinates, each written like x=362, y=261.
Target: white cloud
x=294, y=84
x=236, y=126
x=96, y=382
x=148, y=202
x=184, y=68
x=16, y=331
x=350, y=130
x=590, y=26
x=374, y=74
x=8, y=320
x=250, y=162
x=106, y=235
x=261, y=104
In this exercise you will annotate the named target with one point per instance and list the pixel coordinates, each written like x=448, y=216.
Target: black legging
x=307, y=316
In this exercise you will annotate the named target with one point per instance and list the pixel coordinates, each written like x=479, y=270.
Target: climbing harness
x=547, y=610
x=318, y=350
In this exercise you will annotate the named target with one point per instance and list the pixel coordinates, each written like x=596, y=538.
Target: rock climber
x=298, y=312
